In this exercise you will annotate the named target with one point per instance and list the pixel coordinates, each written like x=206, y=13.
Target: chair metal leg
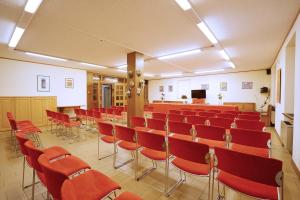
x=33, y=184
x=176, y=185
x=100, y=158
x=23, y=175
x=148, y=171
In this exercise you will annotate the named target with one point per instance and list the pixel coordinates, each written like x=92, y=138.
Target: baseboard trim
x=295, y=168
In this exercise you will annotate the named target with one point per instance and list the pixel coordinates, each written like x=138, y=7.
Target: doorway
x=106, y=95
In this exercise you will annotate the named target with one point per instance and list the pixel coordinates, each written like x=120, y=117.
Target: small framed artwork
x=161, y=88
x=43, y=83
x=204, y=86
x=69, y=83
x=223, y=86
x=247, y=85
x=170, y=88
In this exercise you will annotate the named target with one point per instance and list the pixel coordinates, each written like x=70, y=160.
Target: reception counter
x=165, y=107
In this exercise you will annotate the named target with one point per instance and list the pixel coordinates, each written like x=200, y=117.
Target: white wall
x=290, y=78
x=234, y=93
x=19, y=78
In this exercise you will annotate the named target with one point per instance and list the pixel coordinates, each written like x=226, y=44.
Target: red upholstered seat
x=212, y=143
x=248, y=187
x=138, y=122
x=191, y=167
x=181, y=136
x=156, y=124
x=91, y=185
x=108, y=139
x=250, y=150
x=153, y=154
x=128, y=196
x=130, y=146
x=55, y=152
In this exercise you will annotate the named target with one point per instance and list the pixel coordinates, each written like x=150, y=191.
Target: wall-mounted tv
x=198, y=94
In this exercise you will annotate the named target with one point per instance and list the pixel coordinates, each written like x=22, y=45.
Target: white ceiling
x=103, y=32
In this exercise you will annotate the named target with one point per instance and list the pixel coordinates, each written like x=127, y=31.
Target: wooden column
x=89, y=90
x=135, y=64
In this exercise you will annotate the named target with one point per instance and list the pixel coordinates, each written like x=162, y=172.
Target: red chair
x=156, y=124
x=153, y=147
x=235, y=113
x=251, y=113
x=106, y=135
x=118, y=115
x=97, y=116
x=176, y=118
x=221, y=122
x=181, y=130
x=69, y=125
x=250, y=124
x=251, y=142
x=160, y=116
x=126, y=140
x=188, y=112
x=211, y=135
x=249, y=117
x=176, y=112
x=60, y=170
x=90, y=117
x=192, y=119
x=254, y=176
x=110, y=114
x=226, y=115
x=128, y=196
x=190, y=157
x=138, y=122
x=207, y=114
x=91, y=185
x=214, y=111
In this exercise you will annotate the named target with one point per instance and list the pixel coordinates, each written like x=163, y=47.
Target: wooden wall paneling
x=22, y=108
x=90, y=90
x=38, y=110
x=6, y=105
x=49, y=103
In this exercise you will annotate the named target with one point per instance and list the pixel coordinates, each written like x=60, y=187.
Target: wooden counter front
x=165, y=107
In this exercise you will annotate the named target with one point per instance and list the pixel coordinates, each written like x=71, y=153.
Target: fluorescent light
x=172, y=74
x=224, y=55
x=184, y=4
x=92, y=65
x=96, y=78
x=209, y=71
x=16, y=37
x=121, y=70
x=148, y=75
x=44, y=56
x=122, y=66
x=185, y=53
x=207, y=32
x=32, y=5
x=111, y=80
x=231, y=64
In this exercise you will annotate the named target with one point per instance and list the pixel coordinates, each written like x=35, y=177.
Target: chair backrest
x=9, y=115
x=193, y=119
x=188, y=150
x=180, y=128
x=176, y=118
x=117, y=111
x=65, y=118
x=161, y=116
x=97, y=114
x=250, y=124
x=226, y=115
x=105, y=128
x=177, y=112
x=103, y=110
x=251, y=138
x=77, y=111
x=210, y=132
x=249, y=117
x=235, y=113
x=214, y=111
x=83, y=112
x=251, y=113
x=110, y=111
x=221, y=122
x=90, y=113
x=206, y=114
x=188, y=112
x=13, y=124
x=255, y=168
x=151, y=140
x=21, y=138
x=125, y=133
x=138, y=122
x=34, y=153
x=156, y=124
x=54, y=178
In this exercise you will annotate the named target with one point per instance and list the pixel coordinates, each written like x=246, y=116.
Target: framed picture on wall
x=170, y=88
x=161, y=88
x=43, y=83
x=69, y=83
x=247, y=85
x=223, y=86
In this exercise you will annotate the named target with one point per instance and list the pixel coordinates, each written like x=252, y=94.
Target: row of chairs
x=191, y=156
x=65, y=176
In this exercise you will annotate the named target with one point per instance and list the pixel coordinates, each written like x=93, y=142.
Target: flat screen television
x=199, y=94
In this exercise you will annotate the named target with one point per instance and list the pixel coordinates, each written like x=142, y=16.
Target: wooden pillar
x=135, y=77
x=89, y=90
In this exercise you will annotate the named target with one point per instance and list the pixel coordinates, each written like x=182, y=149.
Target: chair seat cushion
x=191, y=167
x=131, y=146
x=153, y=154
x=72, y=124
x=108, y=139
x=55, y=152
x=69, y=165
x=91, y=185
x=248, y=187
x=250, y=150
x=181, y=136
x=128, y=196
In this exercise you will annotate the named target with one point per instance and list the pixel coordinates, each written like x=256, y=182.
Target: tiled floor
x=150, y=187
